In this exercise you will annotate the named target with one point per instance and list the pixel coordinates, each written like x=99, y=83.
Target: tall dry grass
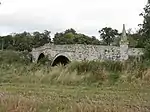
x=12, y=103
x=86, y=72
x=16, y=67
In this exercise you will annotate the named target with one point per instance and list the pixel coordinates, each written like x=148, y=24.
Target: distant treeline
x=27, y=41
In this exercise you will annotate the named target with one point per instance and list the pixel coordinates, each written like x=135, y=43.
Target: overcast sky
x=85, y=16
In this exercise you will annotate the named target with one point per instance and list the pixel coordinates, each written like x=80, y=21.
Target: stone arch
x=41, y=56
x=60, y=59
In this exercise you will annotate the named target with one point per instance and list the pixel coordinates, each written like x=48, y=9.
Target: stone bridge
x=78, y=52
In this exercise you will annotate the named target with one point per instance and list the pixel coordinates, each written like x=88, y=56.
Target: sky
x=85, y=16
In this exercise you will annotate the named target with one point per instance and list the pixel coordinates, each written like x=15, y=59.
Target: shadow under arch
x=61, y=59
x=41, y=57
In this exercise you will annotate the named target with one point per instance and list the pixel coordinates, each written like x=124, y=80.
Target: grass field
x=21, y=97
x=78, y=87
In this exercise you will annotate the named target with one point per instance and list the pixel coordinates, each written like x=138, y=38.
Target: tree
x=22, y=41
x=25, y=41
x=70, y=36
x=41, y=38
x=145, y=30
x=64, y=37
x=108, y=35
x=136, y=40
x=71, y=30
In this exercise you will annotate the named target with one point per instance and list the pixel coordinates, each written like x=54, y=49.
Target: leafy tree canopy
x=70, y=36
x=108, y=35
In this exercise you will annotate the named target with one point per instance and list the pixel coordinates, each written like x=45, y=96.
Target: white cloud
x=86, y=16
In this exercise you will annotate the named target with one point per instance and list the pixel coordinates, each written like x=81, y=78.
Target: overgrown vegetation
x=13, y=57
x=77, y=87
x=16, y=67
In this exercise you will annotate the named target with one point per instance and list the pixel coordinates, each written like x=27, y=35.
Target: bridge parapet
x=80, y=52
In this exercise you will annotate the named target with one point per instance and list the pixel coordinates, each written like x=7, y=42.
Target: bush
x=44, y=61
x=10, y=57
x=94, y=66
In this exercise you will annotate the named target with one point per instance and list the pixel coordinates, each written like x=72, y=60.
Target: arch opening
x=61, y=60
x=41, y=58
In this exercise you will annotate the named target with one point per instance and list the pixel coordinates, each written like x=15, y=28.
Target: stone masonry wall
x=85, y=52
